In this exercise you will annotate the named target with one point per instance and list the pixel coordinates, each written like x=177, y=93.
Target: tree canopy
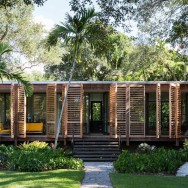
x=13, y=3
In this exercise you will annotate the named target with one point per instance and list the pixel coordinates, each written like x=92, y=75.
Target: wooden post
x=127, y=113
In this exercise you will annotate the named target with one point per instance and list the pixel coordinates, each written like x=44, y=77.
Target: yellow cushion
x=2, y=130
x=34, y=127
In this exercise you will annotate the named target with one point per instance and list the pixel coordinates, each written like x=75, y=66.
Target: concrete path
x=183, y=170
x=97, y=175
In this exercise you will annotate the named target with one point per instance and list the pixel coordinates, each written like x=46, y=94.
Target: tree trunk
x=65, y=98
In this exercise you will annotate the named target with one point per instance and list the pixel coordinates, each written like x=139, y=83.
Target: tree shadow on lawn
x=56, y=178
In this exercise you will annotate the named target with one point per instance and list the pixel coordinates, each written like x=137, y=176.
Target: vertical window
x=184, y=105
x=36, y=108
x=150, y=113
x=4, y=111
x=164, y=113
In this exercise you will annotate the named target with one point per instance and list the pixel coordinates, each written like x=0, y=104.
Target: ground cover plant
x=146, y=181
x=53, y=179
x=148, y=159
x=36, y=156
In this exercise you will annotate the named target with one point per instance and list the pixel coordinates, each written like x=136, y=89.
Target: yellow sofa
x=2, y=130
x=34, y=127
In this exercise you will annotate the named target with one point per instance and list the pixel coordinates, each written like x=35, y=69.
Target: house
x=132, y=111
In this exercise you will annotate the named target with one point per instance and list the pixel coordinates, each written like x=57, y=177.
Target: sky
x=51, y=13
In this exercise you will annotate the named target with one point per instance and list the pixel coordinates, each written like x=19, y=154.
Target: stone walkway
x=97, y=175
x=183, y=170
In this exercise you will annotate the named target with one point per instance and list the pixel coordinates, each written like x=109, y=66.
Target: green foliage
x=185, y=144
x=5, y=153
x=37, y=156
x=11, y=3
x=33, y=145
x=160, y=160
x=4, y=73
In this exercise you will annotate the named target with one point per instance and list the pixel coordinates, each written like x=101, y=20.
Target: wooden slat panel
x=21, y=112
x=158, y=110
x=137, y=110
x=51, y=108
x=121, y=110
x=178, y=111
x=113, y=110
x=172, y=106
x=81, y=110
x=75, y=110
x=13, y=98
x=64, y=117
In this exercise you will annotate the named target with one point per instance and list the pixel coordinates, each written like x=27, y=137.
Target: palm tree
x=4, y=73
x=75, y=31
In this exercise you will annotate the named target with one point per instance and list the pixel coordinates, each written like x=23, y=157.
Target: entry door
x=96, y=122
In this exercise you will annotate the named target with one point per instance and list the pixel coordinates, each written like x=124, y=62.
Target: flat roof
x=99, y=82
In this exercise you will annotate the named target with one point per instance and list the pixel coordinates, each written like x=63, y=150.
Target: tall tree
x=5, y=73
x=26, y=39
x=163, y=19
x=74, y=31
x=12, y=3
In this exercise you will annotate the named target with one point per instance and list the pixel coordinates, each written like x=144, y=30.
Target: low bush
x=160, y=160
x=36, y=157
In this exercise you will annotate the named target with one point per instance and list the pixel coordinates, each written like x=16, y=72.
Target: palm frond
x=4, y=48
x=19, y=78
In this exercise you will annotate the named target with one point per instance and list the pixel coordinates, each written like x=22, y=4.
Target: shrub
x=185, y=144
x=33, y=145
x=145, y=148
x=5, y=153
x=36, y=156
x=161, y=160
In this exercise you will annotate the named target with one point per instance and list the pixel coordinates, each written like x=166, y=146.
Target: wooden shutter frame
x=13, y=96
x=130, y=121
x=51, y=124
x=113, y=110
x=172, y=110
x=178, y=111
x=158, y=110
x=121, y=109
x=21, y=112
x=64, y=115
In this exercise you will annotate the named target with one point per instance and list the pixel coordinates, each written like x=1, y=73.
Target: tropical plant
x=75, y=31
x=5, y=73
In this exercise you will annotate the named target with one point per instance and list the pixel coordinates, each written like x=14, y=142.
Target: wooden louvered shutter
x=64, y=115
x=172, y=106
x=21, y=112
x=51, y=108
x=13, y=97
x=113, y=110
x=158, y=111
x=178, y=111
x=75, y=110
x=121, y=110
x=137, y=110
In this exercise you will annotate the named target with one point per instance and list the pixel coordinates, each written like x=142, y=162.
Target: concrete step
x=96, y=150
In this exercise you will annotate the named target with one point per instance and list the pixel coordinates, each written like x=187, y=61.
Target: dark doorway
x=96, y=121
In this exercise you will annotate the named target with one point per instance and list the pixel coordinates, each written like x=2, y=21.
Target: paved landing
x=183, y=170
x=97, y=175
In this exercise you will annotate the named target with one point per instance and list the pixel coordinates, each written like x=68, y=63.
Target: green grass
x=55, y=178
x=136, y=181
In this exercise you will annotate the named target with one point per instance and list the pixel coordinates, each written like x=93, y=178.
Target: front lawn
x=136, y=181
x=55, y=178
